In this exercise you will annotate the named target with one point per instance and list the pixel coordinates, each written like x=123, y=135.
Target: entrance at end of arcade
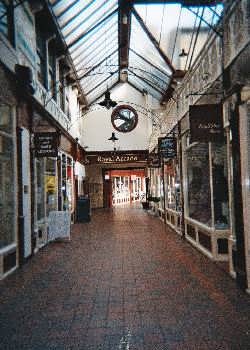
x=125, y=186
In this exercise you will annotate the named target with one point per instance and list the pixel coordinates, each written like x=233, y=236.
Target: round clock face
x=124, y=118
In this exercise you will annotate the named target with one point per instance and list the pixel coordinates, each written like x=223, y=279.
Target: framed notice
x=206, y=123
x=167, y=147
x=46, y=144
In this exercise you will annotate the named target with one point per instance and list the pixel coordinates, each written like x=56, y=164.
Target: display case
x=172, y=194
x=207, y=221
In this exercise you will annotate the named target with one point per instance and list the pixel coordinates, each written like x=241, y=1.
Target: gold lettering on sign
x=116, y=159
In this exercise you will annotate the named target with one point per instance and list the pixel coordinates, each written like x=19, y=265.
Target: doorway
x=124, y=187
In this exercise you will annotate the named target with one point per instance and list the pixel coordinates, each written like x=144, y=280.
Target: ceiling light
x=183, y=53
x=113, y=138
x=107, y=102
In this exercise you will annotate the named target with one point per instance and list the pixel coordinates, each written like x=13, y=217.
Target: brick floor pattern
x=123, y=282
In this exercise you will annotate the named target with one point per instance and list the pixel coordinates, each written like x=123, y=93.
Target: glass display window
x=40, y=189
x=7, y=178
x=46, y=187
x=198, y=183
x=172, y=185
x=207, y=184
x=66, y=182
x=220, y=185
x=50, y=185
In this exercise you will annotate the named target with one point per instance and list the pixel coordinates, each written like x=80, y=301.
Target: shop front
x=115, y=178
x=172, y=194
x=168, y=151
x=53, y=177
x=8, y=191
x=206, y=183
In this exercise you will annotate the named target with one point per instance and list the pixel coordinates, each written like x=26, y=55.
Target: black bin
x=83, y=209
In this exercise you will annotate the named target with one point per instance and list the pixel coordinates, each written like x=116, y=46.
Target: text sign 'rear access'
x=167, y=147
x=206, y=123
x=46, y=144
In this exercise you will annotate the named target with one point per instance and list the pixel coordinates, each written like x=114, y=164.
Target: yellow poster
x=50, y=183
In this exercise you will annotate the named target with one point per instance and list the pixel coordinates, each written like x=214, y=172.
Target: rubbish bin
x=82, y=209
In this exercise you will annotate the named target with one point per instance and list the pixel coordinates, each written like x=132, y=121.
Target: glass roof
x=175, y=27
x=158, y=34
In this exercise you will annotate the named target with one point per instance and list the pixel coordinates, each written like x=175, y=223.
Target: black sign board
x=154, y=160
x=46, y=144
x=167, y=147
x=206, y=123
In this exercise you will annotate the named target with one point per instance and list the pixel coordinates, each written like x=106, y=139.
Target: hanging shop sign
x=46, y=144
x=206, y=123
x=167, y=147
x=115, y=157
x=154, y=160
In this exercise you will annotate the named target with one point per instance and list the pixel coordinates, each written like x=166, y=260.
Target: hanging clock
x=124, y=118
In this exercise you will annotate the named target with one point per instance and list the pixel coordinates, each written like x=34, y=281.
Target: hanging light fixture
x=113, y=138
x=107, y=102
x=183, y=53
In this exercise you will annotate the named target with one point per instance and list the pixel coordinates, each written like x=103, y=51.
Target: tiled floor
x=124, y=282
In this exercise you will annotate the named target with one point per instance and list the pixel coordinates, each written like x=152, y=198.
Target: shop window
x=7, y=178
x=172, y=186
x=50, y=185
x=198, y=183
x=220, y=185
x=67, y=182
x=6, y=19
x=46, y=187
x=40, y=188
x=161, y=192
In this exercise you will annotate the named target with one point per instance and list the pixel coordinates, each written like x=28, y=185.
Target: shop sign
x=46, y=144
x=206, y=123
x=154, y=160
x=167, y=147
x=111, y=157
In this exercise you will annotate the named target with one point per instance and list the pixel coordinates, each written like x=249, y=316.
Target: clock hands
x=120, y=115
x=124, y=118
